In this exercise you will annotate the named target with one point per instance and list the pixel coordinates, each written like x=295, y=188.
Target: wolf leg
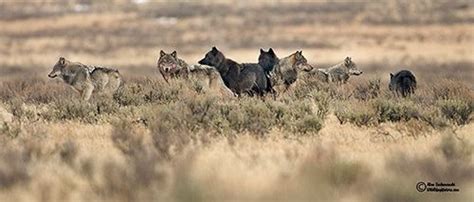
x=87, y=92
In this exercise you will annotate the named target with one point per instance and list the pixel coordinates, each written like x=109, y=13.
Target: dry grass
x=183, y=142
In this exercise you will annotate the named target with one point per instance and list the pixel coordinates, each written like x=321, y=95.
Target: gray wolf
x=237, y=77
x=403, y=82
x=170, y=66
x=283, y=71
x=87, y=79
x=341, y=72
x=210, y=78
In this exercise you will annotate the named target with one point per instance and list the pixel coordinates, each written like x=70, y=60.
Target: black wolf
x=240, y=78
x=403, y=82
x=268, y=60
x=283, y=71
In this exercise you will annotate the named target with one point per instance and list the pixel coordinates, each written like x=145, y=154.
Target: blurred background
x=433, y=38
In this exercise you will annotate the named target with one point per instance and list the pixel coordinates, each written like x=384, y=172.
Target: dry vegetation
x=180, y=142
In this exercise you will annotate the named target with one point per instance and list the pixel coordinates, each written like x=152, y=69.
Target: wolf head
x=300, y=62
x=267, y=59
x=392, y=84
x=352, y=67
x=168, y=63
x=58, y=67
x=213, y=58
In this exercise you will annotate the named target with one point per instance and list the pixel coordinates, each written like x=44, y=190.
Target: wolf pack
x=270, y=75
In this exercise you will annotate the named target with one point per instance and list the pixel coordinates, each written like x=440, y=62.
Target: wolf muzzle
x=203, y=61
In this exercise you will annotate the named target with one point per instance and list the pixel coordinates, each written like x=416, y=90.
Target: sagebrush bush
x=251, y=115
x=309, y=124
x=68, y=152
x=368, y=90
x=130, y=95
x=35, y=91
x=450, y=89
x=432, y=115
x=457, y=111
x=72, y=110
x=124, y=138
x=322, y=101
x=358, y=113
x=395, y=110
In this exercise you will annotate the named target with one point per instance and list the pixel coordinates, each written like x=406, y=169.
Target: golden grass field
x=182, y=142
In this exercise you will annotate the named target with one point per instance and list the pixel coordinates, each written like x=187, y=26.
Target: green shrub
x=432, y=116
x=309, y=124
x=395, y=110
x=251, y=115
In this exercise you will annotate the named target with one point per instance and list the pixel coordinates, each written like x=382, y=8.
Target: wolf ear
x=62, y=61
x=162, y=53
x=214, y=49
x=391, y=75
x=261, y=51
x=271, y=51
x=174, y=54
x=347, y=60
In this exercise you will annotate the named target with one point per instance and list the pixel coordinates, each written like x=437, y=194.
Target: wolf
x=267, y=60
x=283, y=71
x=170, y=65
x=403, y=82
x=211, y=77
x=263, y=82
x=237, y=77
x=87, y=79
x=341, y=72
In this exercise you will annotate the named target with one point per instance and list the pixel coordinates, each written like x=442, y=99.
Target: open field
x=181, y=142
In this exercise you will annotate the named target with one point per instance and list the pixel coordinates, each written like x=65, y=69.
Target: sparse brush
x=309, y=124
x=125, y=139
x=170, y=130
x=358, y=113
x=457, y=111
x=450, y=89
x=455, y=150
x=72, y=110
x=394, y=111
x=322, y=101
x=68, y=152
x=13, y=168
x=10, y=130
x=254, y=117
x=34, y=91
x=433, y=117
x=368, y=90
x=130, y=95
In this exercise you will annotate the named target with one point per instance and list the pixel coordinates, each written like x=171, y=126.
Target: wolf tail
x=408, y=86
